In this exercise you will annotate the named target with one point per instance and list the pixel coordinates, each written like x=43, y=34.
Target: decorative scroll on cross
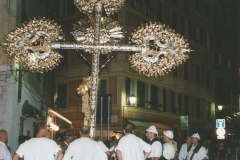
x=158, y=49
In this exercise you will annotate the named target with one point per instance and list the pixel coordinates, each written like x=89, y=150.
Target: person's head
x=84, y=131
x=167, y=136
x=68, y=138
x=220, y=145
x=205, y=143
x=40, y=130
x=188, y=140
x=151, y=132
x=195, y=139
x=128, y=128
x=3, y=136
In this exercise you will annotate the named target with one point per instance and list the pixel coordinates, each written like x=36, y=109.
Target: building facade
x=186, y=91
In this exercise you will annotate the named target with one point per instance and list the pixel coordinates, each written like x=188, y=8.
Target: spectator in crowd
x=185, y=149
x=67, y=139
x=197, y=151
x=4, y=151
x=220, y=152
x=39, y=147
x=84, y=148
x=151, y=134
x=131, y=147
x=169, y=147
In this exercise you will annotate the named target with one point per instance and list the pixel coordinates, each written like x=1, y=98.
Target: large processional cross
x=158, y=49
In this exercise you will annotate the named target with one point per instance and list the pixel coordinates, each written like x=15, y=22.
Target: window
x=148, y=7
x=198, y=74
x=48, y=81
x=134, y=3
x=102, y=86
x=179, y=103
x=208, y=109
x=185, y=66
x=176, y=72
x=185, y=5
x=61, y=99
x=174, y=20
x=198, y=108
x=208, y=78
x=66, y=7
x=64, y=60
x=141, y=94
x=209, y=41
x=183, y=27
x=186, y=105
x=173, y=103
x=197, y=5
x=129, y=89
x=155, y=97
x=208, y=8
x=190, y=34
x=159, y=11
x=164, y=100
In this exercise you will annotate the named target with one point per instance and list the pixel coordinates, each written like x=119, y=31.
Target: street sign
x=220, y=137
x=220, y=123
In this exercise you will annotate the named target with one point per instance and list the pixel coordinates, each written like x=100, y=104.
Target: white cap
x=152, y=129
x=196, y=135
x=168, y=133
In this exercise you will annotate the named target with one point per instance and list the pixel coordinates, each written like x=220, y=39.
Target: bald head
x=3, y=136
x=84, y=131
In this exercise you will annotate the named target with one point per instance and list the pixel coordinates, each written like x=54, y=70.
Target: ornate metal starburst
x=163, y=50
x=110, y=6
x=110, y=33
x=29, y=45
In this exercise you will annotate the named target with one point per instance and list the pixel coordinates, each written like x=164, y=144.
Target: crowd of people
x=127, y=147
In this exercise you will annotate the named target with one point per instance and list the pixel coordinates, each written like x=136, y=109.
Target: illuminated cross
x=158, y=49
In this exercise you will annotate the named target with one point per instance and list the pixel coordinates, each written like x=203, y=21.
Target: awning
x=58, y=115
x=141, y=126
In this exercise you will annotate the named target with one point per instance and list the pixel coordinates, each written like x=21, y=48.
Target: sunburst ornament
x=30, y=45
x=110, y=6
x=110, y=33
x=162, y=51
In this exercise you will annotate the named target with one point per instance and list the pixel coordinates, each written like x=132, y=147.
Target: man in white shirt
x=185, y=149
x=169, y=147
x=131, y=147
x=104, y=147
x=84, y=148
x=151, y=134
x=39, y=147
x=197, y=151
x=4, y=152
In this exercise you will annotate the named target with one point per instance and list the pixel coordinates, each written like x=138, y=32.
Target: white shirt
x=113, y=155
x=132, y=147
x=4, y=152
x=199, y=155
x=183, y=152
x=168, y=151
x=156, y=150
x=103, y=146
x=84, y=149
x=38, y=149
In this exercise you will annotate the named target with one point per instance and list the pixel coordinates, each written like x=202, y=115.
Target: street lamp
x=132, y=99
x=220, y=107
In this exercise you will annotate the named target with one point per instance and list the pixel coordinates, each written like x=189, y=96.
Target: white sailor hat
x=168, y=133
x=196, y=135
x=152, y=129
